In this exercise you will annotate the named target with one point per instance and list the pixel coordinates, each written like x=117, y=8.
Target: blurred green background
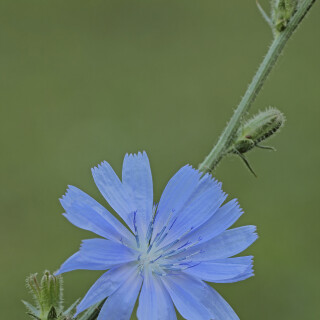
x=86, y=81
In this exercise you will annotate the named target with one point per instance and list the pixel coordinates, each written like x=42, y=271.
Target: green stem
x=277, y=46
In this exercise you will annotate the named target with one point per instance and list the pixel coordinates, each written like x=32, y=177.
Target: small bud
x=259, y=128
x=281, y=13
x=48, y=298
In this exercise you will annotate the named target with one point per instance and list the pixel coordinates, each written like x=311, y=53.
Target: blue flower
x=166, y=252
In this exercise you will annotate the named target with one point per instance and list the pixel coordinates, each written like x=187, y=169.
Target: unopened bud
x=281, y=13
x=51, y=291
x=250, y=134
x=259, y=128
x=48, y=298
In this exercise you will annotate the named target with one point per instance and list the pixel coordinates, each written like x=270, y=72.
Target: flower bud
x=51, y=291
x=281, y=13
x=257, y=129
x=48, y=298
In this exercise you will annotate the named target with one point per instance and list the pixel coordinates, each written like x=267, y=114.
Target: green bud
x=48, y=298
x=51, y=293
x=257, y=129
x=281, y=13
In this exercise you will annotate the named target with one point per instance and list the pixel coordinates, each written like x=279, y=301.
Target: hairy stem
x=277, y=46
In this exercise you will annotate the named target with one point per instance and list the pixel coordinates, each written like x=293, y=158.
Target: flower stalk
x=228, y=135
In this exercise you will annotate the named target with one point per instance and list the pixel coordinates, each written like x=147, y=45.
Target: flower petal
x=219, y=308
x=117, y=195
x=136, y=176
x=227, y=244
x=77, y=262
x=106, y=285
x=202, y=294
x=98, y=254
x=206, y=198
x=86, y=213
x=120, y=304
x=175, y=195
x=221, y=220
x=247, y=274
x=220, y=270
x=181, y=291
x=155, y=302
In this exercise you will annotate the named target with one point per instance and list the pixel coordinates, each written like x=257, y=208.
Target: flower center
x=160, y=258
x=150, y=260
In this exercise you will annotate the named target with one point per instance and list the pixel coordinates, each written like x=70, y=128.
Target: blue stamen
x=136, y=229
x=157, y=239
x=168, y=246
x=149, y=248
x=134, y=221
x=187, y=243
x=159, y=234
x=152, y=261
x=149, y=231
x=173, y=223
x=161, y=239
x=175, y=241
x=137, y=240
x=159, y=273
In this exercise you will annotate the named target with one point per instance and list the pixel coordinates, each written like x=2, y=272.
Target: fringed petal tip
x=99, y=166
x=139, y=154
